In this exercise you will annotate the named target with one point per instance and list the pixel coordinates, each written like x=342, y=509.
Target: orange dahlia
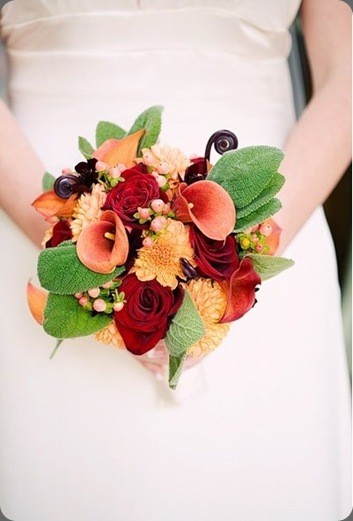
x=161, y=261
x=110, y=335
x=87, y=209
x=210, y=301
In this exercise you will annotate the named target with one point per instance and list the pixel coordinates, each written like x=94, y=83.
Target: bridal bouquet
x=148, y=247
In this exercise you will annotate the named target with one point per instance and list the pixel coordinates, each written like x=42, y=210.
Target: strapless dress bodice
x=252, y=29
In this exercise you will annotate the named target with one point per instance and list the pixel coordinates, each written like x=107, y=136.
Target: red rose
x=138, y=190
x=145, y=317
x=215, y=259
x=61, y=232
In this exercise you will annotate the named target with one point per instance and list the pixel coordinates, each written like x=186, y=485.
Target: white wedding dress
x=258, y=430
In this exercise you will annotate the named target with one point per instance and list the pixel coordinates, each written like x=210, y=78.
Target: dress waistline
x=209, y=30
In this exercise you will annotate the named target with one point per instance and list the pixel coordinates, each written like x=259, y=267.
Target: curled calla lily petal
x=103, y=244
x=50, y=205
x=208, y=206
x=240, y=291
x=273, y=240
x=120, y=151
x=37, y=300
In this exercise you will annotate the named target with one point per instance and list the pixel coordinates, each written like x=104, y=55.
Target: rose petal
x=215, y=259
x=37, y=300
x=50, y=205
x=240, y=291
x=120, y=151
x=99, y=253
x=208, y=206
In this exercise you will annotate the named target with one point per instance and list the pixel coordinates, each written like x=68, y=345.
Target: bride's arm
x=319, y=149
x=21, y=173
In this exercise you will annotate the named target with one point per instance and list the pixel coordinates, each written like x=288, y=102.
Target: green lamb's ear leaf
x=259, y=215
x=151, y=121
x=245, y=173
x=266, y=195
x=85, y=147
x=64, y=317
x=48, y=182
x=175, y=369
x=267, y=266
x=186, y=328
x=60, y=271
x=106, y=130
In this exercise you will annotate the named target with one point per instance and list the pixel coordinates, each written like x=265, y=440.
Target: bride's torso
x=223, y=63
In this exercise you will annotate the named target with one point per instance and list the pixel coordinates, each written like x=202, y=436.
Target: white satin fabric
x=259, y=430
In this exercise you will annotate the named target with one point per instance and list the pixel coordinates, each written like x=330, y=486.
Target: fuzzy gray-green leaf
x=85, y=147
x=151, y=121
x=246, y=172
x=259, y=215
x=64, y=317
x=107, y=130
x=175, y=369
x=266, y=195
x=267, y=266
x=186, y=328
x=48, y=182
x=60, y=271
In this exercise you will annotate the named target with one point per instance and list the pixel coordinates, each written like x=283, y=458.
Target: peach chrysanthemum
x=210, y=301
x=162, y=260
x=48, y=234
x=110, y=335
x=87, y=209
x=166, y=160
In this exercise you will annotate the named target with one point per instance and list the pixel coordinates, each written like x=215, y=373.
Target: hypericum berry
x=94, y=292
x=100, y=166
x=121, y=167
x=244, y=243
x=99, y=305
x=158, y=224
x=118, y=306
x=161, y=180
x=78, y=295
x=144, y=213
x=166, y=209
x=259, y=248
x=114, y=172
x=163, y=168
x=83, y=301
x=148, y=159
x=254, y=237
x=147, y=242
x=157, y=205
x=265, y=229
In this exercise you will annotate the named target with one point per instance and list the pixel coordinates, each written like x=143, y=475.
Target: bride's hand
x=157, y=360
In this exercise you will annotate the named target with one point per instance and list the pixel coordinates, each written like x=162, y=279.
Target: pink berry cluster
x=156, y=216
x=254, y=239
x=108, y=174
x=157, y=169
x=104, y=299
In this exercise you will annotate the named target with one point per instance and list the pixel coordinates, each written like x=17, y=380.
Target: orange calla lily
x=103, y=244
x=120, y=151
x=208, y=206
x=240, y=290
x=50, y=205
x=37, y=300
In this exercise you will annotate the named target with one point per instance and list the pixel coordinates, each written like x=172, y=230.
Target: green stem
x=59, y=341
